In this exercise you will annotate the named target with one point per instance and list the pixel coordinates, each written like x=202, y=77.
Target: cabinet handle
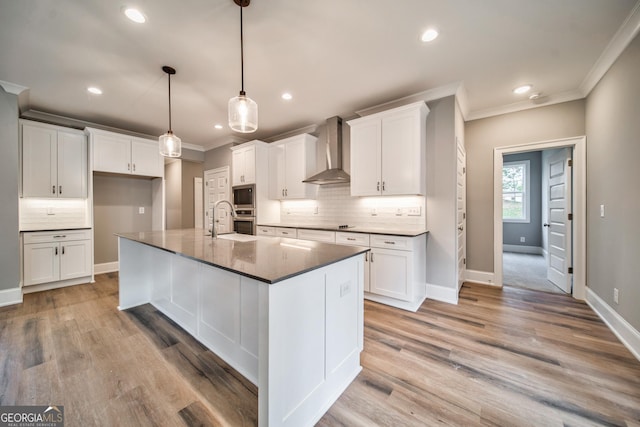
x=283, y=192
x=286, y=191
x=389, y=242
x=371, y=257
x=63, y=250
x=284, y=232
x=382, y=185
x=53, y=190
x=56, y=253
x=128, y=166
x=378, y=186
x=60, y=236
x=60, y=189
x=351, y=238
x=366, y=256
x=134, y=167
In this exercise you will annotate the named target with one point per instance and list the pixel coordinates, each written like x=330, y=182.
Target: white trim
x=522, y=249
x=625, y=34
x=442, y=293
x=579, y=207
x=12, y=87
x=481, y=277
x=626, y=333
x=10, y=296
x=56, y=285
x=106, y=267
x=393, y=302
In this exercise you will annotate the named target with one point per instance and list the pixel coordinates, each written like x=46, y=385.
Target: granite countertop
x=412, y=232
x=267, y=259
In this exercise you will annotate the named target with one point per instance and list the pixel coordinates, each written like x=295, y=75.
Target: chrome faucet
x=214, y=232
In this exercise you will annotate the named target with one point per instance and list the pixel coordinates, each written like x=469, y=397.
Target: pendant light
x=243, y=111
x=170, y=144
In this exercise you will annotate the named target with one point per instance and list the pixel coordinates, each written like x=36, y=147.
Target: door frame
x=578, y=206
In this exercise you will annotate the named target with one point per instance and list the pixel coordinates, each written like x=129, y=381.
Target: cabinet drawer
x=317, y=235
x=265, y=231
x=56, y=236
x=391, y=242
x=287, y=232
x=356, y=239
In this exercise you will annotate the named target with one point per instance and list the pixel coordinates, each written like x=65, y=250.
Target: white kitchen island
x=287, y=314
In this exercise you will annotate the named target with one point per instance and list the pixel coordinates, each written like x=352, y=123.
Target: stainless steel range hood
x=334, y=173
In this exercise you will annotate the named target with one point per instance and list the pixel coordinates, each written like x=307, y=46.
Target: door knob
x=546, y=225
x=460, y=228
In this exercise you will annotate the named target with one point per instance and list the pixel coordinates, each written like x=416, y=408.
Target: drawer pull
x=63, y=250
x=56, y=253
x=351, y=238
x=389, y=242
x=60, y=236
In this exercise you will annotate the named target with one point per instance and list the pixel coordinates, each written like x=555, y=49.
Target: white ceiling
x=335, y=56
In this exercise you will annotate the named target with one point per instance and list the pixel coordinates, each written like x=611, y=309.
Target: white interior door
x=217, y=187
x=198, y=207
x=559, y=225
x=461, y=211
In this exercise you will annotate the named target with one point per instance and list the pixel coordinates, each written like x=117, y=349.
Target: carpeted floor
x=526, y=271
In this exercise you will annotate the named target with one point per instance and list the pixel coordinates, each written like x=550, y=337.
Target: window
x=515, y=191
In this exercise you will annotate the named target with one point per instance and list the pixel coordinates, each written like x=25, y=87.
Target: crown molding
x=625, y=34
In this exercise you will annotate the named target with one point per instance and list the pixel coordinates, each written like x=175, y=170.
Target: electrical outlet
x=414, y=211
x=616, y=294
x=374, y=212
x=141, y=210
x=522, y=239
x=399, y=212
x=315, y=210
x=345, y=288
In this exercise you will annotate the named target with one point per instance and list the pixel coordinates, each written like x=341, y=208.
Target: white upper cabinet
x=243, y=169
x=291, y=161
x=54, y=161
x=117, y=153
x=388, y=152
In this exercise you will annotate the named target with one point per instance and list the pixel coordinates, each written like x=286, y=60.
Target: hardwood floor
x=506, y=357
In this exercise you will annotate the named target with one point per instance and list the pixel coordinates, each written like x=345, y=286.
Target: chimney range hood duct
x=334, y=173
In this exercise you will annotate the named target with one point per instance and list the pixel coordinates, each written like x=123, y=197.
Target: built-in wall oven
x=244, y=203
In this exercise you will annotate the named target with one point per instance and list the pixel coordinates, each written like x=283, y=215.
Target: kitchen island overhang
x=287, y=314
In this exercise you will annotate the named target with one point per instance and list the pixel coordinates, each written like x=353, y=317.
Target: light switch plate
x=141, y=210
x=414, y=211
x=601, y=211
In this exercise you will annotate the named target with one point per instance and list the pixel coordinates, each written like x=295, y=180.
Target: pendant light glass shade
x=243, y=111
x=243, y=114
x=170, y=144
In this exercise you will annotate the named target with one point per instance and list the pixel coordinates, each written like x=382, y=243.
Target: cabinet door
x=391, y=273
x=41, y=263
x=401, y=154
x=112, y=153
x=39, y=162
x=276, y=172
x=365, y=158
x=75, y=259
x=367, y=272
x=249, y=165
x=146, y=159
x=295, y=170
x=237, y=167
x=72, y=165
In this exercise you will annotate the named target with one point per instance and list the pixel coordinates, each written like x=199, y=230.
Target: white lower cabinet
x=265, y=231
x=317, y=235
x=56, y=256
x=291, y=233
x=357, y=239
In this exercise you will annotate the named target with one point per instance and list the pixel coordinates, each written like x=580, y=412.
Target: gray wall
x=116, y=200
x=192, y=155
x=9, y=226
x=190, y=170
x=613, y=175
x=531, y=231
x=218, y=157
x=481, y=137
x=173, y=194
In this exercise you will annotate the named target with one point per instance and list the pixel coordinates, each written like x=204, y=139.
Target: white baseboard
x=521, y=249
x=10, y=296
x=107, y=267
x=55, y=285
x=404, y=305
x=482, y=277
x=442, y=293
x=626, y=333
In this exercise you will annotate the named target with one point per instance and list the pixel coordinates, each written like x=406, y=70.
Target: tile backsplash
x=334, y=205
x=54, y=214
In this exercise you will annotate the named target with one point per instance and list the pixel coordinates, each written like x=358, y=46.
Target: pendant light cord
x=169, y=101
x=241, y=54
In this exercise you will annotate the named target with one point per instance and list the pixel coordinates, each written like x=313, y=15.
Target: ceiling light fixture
x=430, y=35
x=218, y=126
x=170, y=144
x=287, y=96
x=243, y=111
x=135, y=15
x=522, y=89
x=94, y=90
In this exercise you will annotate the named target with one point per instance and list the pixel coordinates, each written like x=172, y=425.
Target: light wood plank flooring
x=506, y=357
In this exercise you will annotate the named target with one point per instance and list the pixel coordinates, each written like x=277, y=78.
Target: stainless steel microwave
x=244, y=196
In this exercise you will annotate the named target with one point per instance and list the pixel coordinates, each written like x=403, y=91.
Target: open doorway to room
x=539, y=216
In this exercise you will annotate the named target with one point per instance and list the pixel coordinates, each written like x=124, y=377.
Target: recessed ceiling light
x=94, y=90
x=135, y=15
x=218, y=126
x=287, y=96
x=522, y=89
x=430, y=35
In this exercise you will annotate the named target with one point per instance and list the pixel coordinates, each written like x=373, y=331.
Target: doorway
x=565, y=258
x=217, y=187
